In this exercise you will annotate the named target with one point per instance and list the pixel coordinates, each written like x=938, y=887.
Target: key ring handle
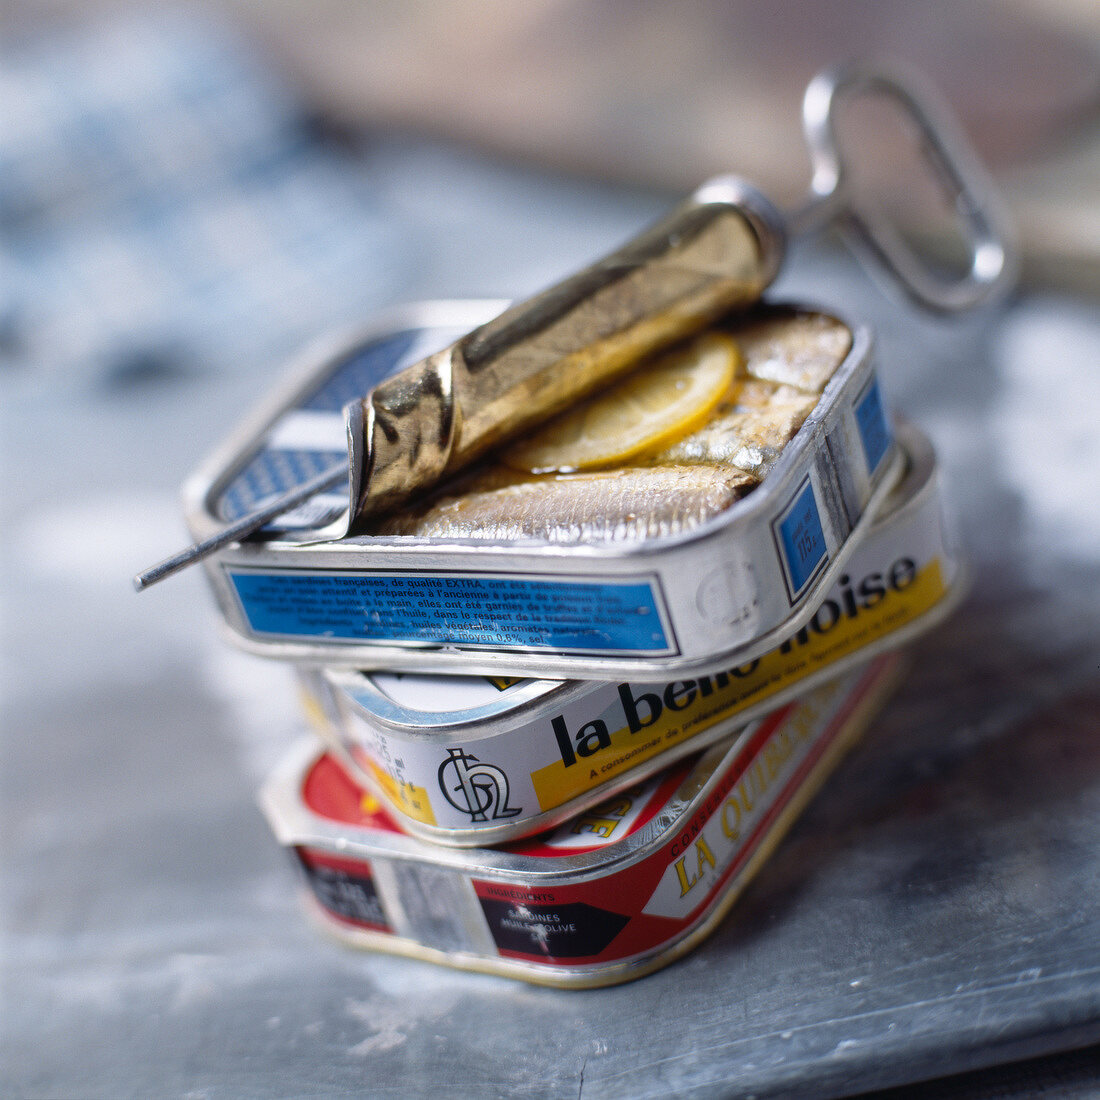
x=984, y=222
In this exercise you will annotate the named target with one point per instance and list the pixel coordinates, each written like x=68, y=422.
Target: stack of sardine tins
x=569, y=698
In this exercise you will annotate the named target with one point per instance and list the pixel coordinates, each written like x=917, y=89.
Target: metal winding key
x=715, y=253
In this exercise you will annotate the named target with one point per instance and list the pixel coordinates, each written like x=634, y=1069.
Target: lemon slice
x=648, y=409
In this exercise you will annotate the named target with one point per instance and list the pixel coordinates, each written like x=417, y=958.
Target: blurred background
x=173, y=172
x=188, y=194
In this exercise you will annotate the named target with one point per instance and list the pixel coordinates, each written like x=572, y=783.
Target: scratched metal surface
x=934, y=911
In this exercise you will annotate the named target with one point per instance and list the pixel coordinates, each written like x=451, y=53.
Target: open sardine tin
x=719, y=594
x=613, y=894
x=470, y=760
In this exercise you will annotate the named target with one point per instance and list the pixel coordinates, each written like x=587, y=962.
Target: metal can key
x=715, y=253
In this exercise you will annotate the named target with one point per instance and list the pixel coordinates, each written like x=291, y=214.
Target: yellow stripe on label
x=843, y=625
x=410, y=800
x=503, y=683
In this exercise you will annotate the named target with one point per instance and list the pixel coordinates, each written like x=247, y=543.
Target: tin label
x=432, y=901
x=568, y=931
x=472, y=786
x=610, y=821
x=346, y=888
x=455, y=609
x=731, y=822
x=390, y=772
x=615, y=731
x=801, y=539
x=874, y=431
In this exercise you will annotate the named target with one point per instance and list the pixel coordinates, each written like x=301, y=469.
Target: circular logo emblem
x=474, y=788
x=727, y=595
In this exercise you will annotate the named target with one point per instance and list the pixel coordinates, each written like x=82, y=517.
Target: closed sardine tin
x=614, y=894
x=719, y=593
x=467, y=760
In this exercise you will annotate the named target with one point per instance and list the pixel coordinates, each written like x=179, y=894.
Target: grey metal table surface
x=934, y=911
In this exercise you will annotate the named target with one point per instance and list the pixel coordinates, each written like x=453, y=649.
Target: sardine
x=751, y=439
x=798, y=348
x=608, y=505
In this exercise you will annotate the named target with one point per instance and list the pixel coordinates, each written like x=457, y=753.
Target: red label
x=330, y=792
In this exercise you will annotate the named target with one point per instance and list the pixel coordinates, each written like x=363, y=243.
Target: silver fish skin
x=750, y=439
x=797, y=348
x=612, y=505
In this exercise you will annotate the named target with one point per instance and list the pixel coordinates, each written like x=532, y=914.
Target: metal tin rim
x=406, y=655
x=483, y=659
x=550, y=562
x=296, y=825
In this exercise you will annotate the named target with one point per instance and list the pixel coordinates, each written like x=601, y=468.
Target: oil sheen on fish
x=751, y=439
x=789, y=356
x=606, y=505
x=794, y=347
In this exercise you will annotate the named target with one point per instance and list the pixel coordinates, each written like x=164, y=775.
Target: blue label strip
x=802, y=539
x=453, y=610
x=873, y=428
x=273, y=471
